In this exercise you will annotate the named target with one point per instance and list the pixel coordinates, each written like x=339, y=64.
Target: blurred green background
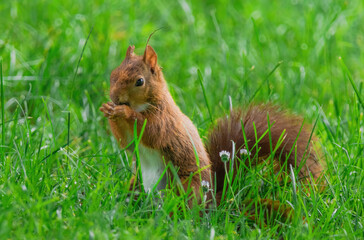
x=57, y=146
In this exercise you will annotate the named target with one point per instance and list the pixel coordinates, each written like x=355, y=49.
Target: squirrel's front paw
x=107, y=109
x=114, y=112
x=122, y=111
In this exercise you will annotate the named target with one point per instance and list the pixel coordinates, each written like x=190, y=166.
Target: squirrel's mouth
x=124, y=103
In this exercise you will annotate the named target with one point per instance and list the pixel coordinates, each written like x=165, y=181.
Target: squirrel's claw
x=109, y=106
x=107, y=109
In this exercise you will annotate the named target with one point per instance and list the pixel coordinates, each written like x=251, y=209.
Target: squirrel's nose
x=122, y=100
x=119, y=99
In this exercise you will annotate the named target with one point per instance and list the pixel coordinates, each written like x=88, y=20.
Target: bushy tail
x=295, y=141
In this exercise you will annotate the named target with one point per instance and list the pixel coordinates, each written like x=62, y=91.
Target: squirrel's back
x=294, y=139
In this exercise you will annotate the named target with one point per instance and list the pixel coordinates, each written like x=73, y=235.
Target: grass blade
x=204, y=94
x=265, y=80
x=2, y=110
x=348, y=75
x=137, y=140
x=79, y=61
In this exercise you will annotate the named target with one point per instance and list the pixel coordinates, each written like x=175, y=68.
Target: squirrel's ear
x=150, y=58
x=130, y=51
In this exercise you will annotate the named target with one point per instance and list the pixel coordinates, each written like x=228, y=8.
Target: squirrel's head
x=138, y=81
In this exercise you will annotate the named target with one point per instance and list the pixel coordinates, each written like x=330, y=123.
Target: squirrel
x=140, y=96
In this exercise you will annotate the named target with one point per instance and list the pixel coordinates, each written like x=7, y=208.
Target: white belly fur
x=152, y=168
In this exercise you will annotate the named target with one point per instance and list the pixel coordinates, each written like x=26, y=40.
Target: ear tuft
x=130, y=51
x=150, y=58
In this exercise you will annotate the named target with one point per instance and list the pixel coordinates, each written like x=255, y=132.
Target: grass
x=62, y=174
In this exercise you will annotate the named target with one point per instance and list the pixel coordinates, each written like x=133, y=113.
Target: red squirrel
x=138, y=92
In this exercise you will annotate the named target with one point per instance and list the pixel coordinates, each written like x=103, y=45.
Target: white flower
x=224, y=155
x=205, y=186
x=243, y=151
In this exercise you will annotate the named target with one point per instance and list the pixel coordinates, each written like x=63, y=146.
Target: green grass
x=62, y=174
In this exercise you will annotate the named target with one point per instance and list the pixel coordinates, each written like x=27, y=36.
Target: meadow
x=62, y=174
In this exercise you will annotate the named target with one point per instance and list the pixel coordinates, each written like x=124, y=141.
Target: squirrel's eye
x=139, y=82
